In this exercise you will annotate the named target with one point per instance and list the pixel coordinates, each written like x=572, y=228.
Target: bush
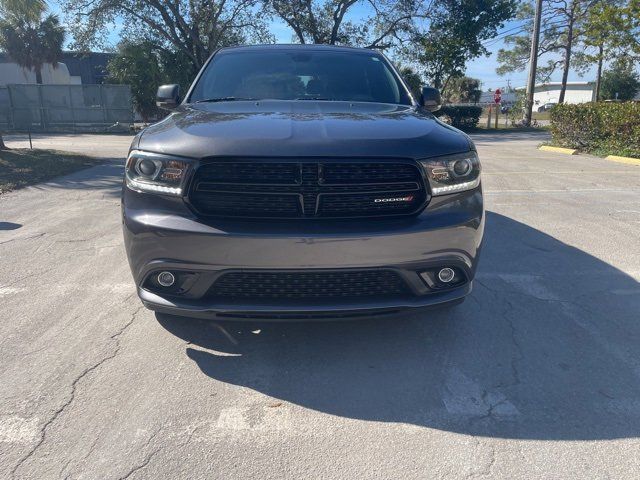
x=601, y=128
x=462, y=117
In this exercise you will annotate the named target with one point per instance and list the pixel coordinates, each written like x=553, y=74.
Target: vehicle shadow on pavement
x=106, y=177
x=546, y=347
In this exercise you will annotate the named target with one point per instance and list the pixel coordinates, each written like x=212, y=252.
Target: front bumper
x=162, y=233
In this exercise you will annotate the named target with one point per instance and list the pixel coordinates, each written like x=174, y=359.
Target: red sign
x=497, y=96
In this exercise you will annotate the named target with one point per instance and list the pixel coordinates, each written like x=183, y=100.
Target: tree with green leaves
x=22, y=8
x=327, y=21
x=145, y=66
x=462, y=90
x=630, y=15
x=456, y=34
x=620, y=81
x=610, y=31
x=561, y=29
x=137, y=65
x=30, y=36
x=413, y=81
x=623, y=19
x=598, y=29
x=192, y=28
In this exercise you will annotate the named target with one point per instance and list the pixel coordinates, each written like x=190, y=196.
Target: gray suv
x=301, y=182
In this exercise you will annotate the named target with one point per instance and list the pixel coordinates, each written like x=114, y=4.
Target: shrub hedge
x=601, y=128
x=464, y=117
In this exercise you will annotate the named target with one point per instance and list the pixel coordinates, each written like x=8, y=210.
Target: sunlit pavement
x=536, y=375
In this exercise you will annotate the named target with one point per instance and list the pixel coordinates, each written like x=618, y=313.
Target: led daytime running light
x=460, y=187
x=150, y=187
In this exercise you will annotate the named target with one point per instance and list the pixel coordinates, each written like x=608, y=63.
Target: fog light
x=446, y=275
x=166, y=279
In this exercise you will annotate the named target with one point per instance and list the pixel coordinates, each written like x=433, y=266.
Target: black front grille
x=309, y=285
x=307, y=189
x=368, y=172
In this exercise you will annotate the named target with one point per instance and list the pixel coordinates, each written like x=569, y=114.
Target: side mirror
x=430, y=99
x=168, y=96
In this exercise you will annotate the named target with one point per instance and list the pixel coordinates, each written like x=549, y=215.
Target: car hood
x=302, y=129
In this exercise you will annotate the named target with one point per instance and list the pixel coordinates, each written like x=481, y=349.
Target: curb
x=549, y=148
x=627, y=160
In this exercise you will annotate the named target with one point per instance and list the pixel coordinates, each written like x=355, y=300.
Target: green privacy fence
x=65, y=108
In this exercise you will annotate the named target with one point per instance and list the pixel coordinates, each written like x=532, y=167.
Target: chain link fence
x=66, y=108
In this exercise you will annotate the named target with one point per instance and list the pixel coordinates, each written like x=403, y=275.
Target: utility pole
x=533, y=64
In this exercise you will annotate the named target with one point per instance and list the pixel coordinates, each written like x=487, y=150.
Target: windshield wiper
x=222, y=99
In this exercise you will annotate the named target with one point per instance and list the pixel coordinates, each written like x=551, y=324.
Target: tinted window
x=289, y=75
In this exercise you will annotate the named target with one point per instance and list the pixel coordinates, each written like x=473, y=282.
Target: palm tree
x=29, y=36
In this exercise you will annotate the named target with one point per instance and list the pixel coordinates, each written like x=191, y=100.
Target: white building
x=576, y=92
x=12, y=73
x=74, y=68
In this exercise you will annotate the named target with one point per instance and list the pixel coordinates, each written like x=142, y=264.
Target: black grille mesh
x=251, y=204
x=306, y=189
x=309, y=285
x=250, y=172
x=368, y=172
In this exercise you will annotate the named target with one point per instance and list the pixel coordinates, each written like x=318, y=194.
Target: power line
x=550, y=25
x=505, y=33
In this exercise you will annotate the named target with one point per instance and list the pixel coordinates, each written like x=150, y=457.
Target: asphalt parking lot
x=536, y=375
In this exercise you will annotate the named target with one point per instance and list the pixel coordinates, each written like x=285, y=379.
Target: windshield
x=303, y=75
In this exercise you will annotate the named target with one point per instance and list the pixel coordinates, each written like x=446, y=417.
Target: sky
x=483, y=68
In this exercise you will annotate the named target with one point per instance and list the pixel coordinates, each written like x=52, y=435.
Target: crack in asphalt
x=34, y=274
x=86, y=455
x=38, y=235
x=518, y=354
x=514, y=340
x=492, y=462
x=574, y=302
x=147, y=458
x=142, y=465
x=74, y=386
x=486, y=471
x=80, y=240
x=516, y=357
x=99, y=247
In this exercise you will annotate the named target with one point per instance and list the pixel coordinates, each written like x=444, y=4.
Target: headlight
x=453, y=173
x=152, y=172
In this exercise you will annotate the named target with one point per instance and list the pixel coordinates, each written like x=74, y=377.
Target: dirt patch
x=22, y=167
